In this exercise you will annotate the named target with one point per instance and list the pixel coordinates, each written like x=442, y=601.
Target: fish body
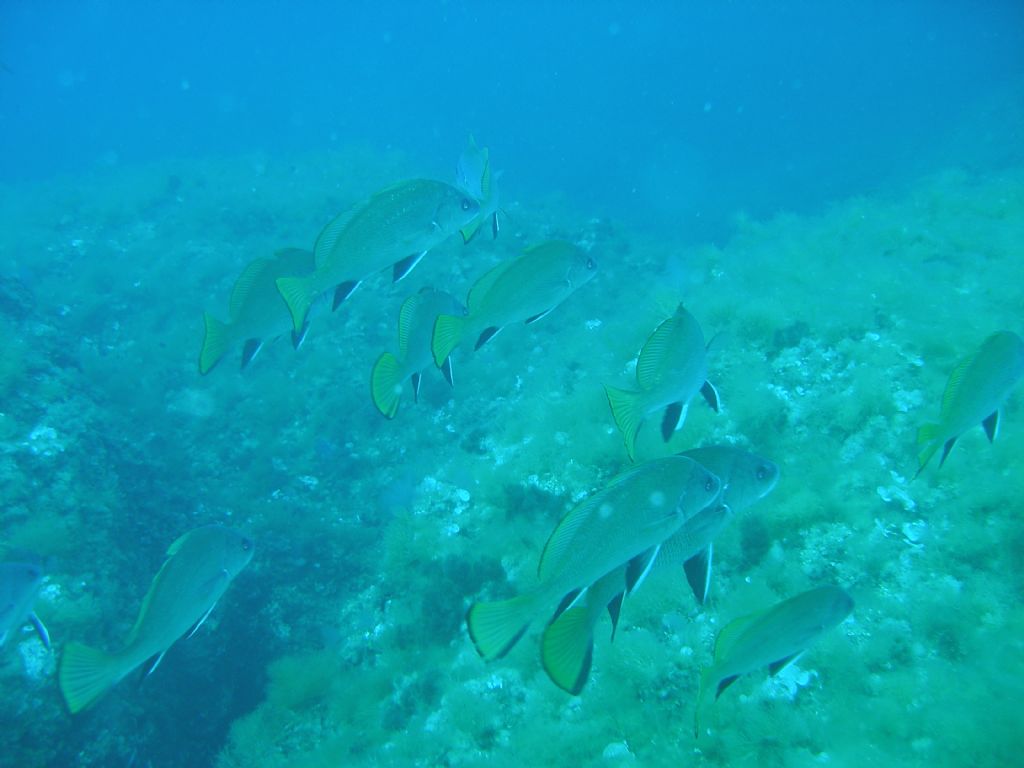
x=415, y=328
x=975, y=392
x=19, y=586
x=473, y=176
x=771, y=638
x=568, y=641
x=256, y=309
x=525, y=288
x=396, y=226
x=199, y=567
x=670, y=370
x=634, y=513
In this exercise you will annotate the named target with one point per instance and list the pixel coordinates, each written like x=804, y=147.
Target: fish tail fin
x=86, y=674
x=216, y=340
x=627, y=413
x=448, y=330
x=386, y=384
x=567, y=649
x=298, y=294
x=928, y=443
x=496, y=627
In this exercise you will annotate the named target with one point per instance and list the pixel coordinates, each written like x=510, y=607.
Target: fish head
x=753, y=477
x=455, y=209
x=582, y=268
x=230, y=550
x=701, y=487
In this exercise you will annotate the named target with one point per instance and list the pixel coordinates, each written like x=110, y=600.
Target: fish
x=19, y=586
x=256, y=309
x=473, y=176
x=199, y=567
x=567, y=645
x=525, y=288
x=396, y=226
x=772, y=638
x=415, y=327
x=635, y=512
x=670, y=370
x=975, y=393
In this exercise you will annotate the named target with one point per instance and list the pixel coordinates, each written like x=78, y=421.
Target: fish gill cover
x=834, y=192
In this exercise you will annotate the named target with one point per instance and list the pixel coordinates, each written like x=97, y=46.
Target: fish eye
x=246, y=545
x=762, y=472
x=590, y=264
x=709, y=484
x=466, y=205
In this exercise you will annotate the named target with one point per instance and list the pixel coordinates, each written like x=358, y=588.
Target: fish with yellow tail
x=256, y=310
x=415, y=326
x=772, y=638
x=671, y=368
x=567, y=645
x=526, y=288
x=199, y=567
x=630, y=516
x=975, y=393
x=394, y=227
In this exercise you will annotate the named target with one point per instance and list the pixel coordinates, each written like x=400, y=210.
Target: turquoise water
x=849, y=233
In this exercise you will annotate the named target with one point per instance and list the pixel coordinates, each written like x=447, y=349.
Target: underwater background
x=834, y=190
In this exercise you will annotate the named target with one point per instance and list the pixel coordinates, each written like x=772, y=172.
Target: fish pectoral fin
x=707, y=389
x=299, y=336
x=991, y=425
x=614, y=609
x=945, y=450
x=698, y=573
x=159, y=658
x=198, y=623
x=405, y=266
x=670, y=419
x=777, y=666
x=486, y=335
x=724, y=683
x=40, y=629
x=250, y=349
x=638, y=568
x=495, y=226
x=567, y=602
x=416, y=379
x=537, y=317
x=342, y=291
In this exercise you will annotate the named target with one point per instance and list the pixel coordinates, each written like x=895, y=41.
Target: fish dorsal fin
x=730, y=634
x=954, y=385
x=649, y=363
x=406, y=315
x=144, y=608
x=329, y=235
x=638, y=568
x=559, y=543
x=478, y=293
x=243, y=286
x=561, y=540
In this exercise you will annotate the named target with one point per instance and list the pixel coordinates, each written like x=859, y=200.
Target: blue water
x=833, y=190
x=661, y=112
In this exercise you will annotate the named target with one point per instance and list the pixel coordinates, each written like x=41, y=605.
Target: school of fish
x=664, y=512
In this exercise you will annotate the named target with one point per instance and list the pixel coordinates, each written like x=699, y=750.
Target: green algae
x=837, y=333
